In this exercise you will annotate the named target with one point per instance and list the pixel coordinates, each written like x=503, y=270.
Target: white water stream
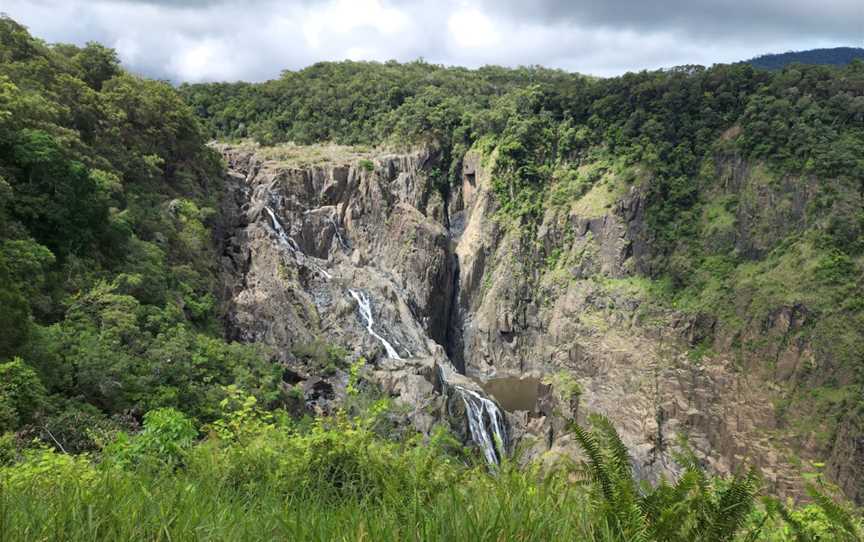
x=485, y=416
x=291, y=245
x=339, y=237
x=366, y=311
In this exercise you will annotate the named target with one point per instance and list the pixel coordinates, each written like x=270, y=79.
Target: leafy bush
x=22, y=395
x=167, y=437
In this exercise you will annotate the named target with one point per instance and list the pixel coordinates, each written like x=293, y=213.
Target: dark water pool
x=513, y=392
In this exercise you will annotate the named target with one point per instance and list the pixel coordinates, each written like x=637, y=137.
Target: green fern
x=597, y=469
x=694, y=507
x=774, y=507
x=736, y=502
x=616, y=451
x=846, y=526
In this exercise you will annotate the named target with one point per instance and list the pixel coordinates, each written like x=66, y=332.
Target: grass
x=291, y=155
x=718, y=219
x=175, y=508
x=255, y=477
x=599, y=199
x=260, y=476
x=131, y=506
x=635, y=286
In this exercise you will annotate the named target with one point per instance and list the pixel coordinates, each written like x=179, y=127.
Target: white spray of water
x=477, y=408
x=366, y=311
x=280, y=231
x=290, y=244
x=339, y=237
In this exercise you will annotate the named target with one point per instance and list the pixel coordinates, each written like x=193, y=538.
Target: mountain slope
x=836, y=56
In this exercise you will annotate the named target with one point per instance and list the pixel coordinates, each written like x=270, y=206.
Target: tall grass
x=253, y=478
x=184, y=505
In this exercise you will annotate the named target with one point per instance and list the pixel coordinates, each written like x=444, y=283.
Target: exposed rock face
x=345, y=227
x=347, y=255
x=448, y=283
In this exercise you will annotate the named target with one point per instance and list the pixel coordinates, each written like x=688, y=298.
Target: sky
x=254, y=40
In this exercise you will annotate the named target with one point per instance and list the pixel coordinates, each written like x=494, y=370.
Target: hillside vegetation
x=107, y=266
x=126, y=415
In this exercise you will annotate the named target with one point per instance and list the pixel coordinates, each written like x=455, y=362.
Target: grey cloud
x=838, y=19
x=199, y=40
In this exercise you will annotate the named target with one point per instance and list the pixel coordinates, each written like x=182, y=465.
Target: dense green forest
x=836, y=56
x=125, y=414
x=106, y=256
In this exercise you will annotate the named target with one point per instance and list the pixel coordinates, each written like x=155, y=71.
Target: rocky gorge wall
x=450, y=285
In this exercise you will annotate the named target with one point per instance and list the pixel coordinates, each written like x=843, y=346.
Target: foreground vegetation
x=259, y=477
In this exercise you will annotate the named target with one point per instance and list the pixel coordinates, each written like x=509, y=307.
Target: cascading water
x=339, y=237
x=280, y=231
x=366, y=312
x=291, y=245
x=486, y=424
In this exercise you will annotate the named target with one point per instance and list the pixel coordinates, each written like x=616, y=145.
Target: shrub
x=22, y=394
x=167, y=436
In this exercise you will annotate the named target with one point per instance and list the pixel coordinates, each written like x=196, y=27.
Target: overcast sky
x=205, y=40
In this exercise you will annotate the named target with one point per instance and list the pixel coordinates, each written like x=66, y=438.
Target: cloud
x=204, y=40
x=842, y=19
x=471, y=29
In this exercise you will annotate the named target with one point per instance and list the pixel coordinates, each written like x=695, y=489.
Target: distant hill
x=837, y=56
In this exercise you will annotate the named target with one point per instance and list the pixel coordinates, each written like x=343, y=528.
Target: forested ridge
x=835, y=56
x=126, y=414
x=685, y=126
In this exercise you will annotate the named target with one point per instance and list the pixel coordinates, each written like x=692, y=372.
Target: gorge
x=375, y=259
x=379, y=301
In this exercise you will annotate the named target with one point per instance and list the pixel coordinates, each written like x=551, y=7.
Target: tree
x=22, y=271
x=22, y=395
x=99, y=64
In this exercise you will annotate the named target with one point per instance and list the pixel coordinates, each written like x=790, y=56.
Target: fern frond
x=632, y=524
x=735, y=503
x=775, y=506
x=598, y=470
x=838, y=515
x=619, y=456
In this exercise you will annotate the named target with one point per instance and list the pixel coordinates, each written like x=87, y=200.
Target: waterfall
x=291, y=245
x=366, y=312
x=485, y=416
x=280, y=231
x=339, y=237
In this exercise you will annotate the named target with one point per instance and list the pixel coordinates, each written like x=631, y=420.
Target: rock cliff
x=364, y=251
